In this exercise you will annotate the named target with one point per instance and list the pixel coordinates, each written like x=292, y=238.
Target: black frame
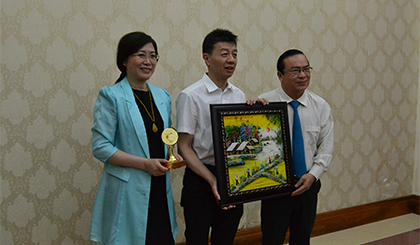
x=231, y=155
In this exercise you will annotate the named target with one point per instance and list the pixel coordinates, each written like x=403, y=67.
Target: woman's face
x=141, y=65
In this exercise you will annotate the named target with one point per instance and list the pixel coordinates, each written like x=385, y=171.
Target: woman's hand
x=157, y=167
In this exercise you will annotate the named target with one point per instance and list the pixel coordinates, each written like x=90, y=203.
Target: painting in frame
x=252, y=151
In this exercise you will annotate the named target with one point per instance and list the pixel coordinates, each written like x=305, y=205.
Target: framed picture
x=252, y=151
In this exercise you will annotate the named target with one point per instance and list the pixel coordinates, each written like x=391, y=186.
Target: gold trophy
x=170, y=137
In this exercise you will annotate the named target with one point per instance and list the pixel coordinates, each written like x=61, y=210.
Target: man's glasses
x=296, y=71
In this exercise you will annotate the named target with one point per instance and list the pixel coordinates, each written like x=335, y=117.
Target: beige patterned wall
x=56, y=54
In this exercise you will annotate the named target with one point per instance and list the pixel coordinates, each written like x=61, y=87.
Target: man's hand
x=304, y=183
x=254, y=101
x=216, y=194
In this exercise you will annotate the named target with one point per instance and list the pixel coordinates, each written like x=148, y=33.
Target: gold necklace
x=154, y=127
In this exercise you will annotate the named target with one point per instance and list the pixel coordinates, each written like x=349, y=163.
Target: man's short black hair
x=286, y=54
x=216, y=36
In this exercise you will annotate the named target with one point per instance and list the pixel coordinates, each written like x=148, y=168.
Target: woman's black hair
x=128, y=45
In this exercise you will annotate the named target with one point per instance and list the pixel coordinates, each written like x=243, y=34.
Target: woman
x=134, y=203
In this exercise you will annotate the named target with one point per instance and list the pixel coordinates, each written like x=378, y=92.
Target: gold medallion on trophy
x=170, y=137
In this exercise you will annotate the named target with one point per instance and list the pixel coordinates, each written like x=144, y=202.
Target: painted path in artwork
x=264, y=171
x=265, y=177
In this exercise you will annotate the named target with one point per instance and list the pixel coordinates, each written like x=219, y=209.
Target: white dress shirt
x=317, y=128
x=193, y=113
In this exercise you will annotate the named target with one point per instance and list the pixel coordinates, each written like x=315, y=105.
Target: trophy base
x=177, y=164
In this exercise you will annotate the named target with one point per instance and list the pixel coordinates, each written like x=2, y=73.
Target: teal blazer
x=121, y=206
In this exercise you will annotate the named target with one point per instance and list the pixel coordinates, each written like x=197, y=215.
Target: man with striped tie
x=311, y=129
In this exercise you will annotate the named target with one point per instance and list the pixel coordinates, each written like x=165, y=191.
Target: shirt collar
x=303, y=100
x=211, y=86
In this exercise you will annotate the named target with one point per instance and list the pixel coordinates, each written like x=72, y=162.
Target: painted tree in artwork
x=245, y=131
x=232, y=133
x=276, y=119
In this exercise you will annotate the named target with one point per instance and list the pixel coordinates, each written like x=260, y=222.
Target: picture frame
x=252, y=149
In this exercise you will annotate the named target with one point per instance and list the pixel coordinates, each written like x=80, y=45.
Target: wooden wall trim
x=344, y=218
x=364, y=214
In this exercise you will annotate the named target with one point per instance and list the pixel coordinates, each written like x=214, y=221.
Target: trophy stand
x=170, y=137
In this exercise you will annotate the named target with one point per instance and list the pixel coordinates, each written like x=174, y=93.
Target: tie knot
x=294, y=104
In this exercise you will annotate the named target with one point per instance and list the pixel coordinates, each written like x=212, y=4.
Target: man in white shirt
x=199, y=194
x=298, y=211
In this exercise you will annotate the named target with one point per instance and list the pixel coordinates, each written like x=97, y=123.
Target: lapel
x=135, y=117
x=160, y=104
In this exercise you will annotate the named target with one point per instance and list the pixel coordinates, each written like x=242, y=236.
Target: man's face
x=222, y=61
x=295, y=85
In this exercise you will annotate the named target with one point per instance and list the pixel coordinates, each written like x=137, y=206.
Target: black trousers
x=201, y=212
x=297, y=213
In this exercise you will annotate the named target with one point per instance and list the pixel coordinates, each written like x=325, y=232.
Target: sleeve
x=105, y=124
x=325, y=144
x=186, y=117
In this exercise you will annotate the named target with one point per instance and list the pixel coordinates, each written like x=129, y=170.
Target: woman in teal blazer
x=134, y=203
